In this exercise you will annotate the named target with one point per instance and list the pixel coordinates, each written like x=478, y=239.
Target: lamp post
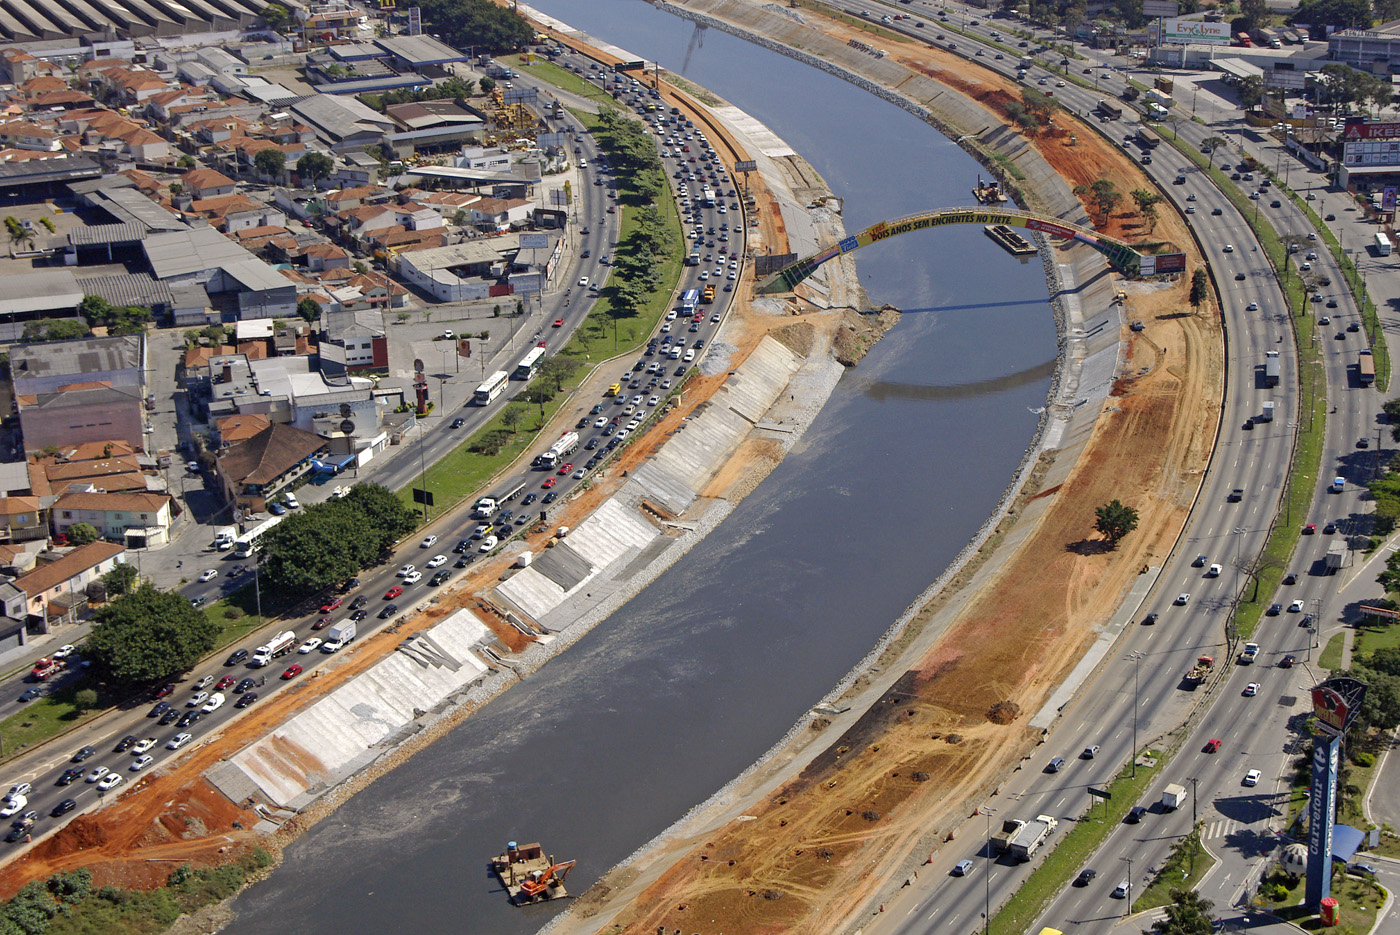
x=1136, y=657
x=1194, y=798
x=1128, y=908
x=987, y=905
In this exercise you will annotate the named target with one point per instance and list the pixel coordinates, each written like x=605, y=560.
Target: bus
x=1366, y=368
x=494, y=386
x=529, y=364
x=247, y=543
x=1383, y=245
x=690, y=298
x=707, y=197
x=1147, y=138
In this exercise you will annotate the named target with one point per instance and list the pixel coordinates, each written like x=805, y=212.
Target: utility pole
x=987, y=906
x=1136, y=657
x=1128, y=909
x=1194, y=827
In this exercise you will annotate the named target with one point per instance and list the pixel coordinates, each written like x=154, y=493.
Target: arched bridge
x=1120, y=255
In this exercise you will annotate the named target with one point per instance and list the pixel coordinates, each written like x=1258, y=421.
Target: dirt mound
x=1003, y=712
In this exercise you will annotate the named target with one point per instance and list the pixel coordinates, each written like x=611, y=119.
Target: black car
x=86, y=752
x=549, y=497
x=504, y=530
x=350, y=585
x=439, y=578
x=1149, y=620
x=243, y=685
x=596, y=409
x=1200, y=562
x=237, y=656
x=169, y=717
x=1216, y=212
x=160, y=708
x=458, y=423
x=464, y=561
x=1274, y=610
x=1290, y=578
x=246, y=699
x=359, y=614
x=528, y=499
x=190, y=717
x=1329, y=528
x=592, y=443
x=63, y=808
x=388, y=611
x=1135, y=815
x=505, y=517
x=359, y=602
x=462, y=546
x=70, y=775
x=126, y=743
x=1085, y=876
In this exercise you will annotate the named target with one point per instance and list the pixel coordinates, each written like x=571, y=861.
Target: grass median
x=1183, y=869
x=563, y=79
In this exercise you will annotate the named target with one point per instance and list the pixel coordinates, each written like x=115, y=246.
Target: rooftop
x=269, y=454
x=47, y=577
x=420, y=50
x=76, y=358
x=460, y=254
x=40, y=290
x=182, y=253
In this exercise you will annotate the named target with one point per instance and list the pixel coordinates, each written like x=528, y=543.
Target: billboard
x=415, y=21
x=745, y=165
x=520, y=95
x=1388, y=198
x=1359, y=128
x=1336, y=703
x=534, y=241
x=1195, y=32
x=1322, y=807
x=1170, y=262
x=1160, y=8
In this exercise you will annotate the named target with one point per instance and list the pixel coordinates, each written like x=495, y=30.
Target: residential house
x=324, y=256
x=256, y=469
x=138, y=519
x=231, y=430
x=21, y=134
x=236, y=212
x=56, y=592
x=355, y=338
x=500, y=213
x=347, y=198
x=22, y=519
x=368, y=290
x=207, y=183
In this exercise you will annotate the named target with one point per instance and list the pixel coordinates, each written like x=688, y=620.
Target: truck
x=1336, y=554
x=707, y=296
x=1251, y=653
x=1200, y=671
x=224, y=537
x=1111, y=110
x=1027, y=61
x=1271, y=368
x=1028, y=840
x=1173, y=796
x=1265, y=38
x=1163, y=84
x=338, y=636
x=563, y=445
x=1009, y=829
x=1366, y=368
x=1266, y=412
x=45, y=668
x=279, y=645
x=485, y=508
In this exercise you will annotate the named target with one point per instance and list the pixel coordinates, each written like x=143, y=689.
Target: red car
x=292, y=672
x=565, y=469
x=164, y=690
x=548, y=483
x=1212, y=745
x=1309, y=529
x=558, y=322
x=331, y=605
x=392, y=593
x=225, y=682
x=322, y=623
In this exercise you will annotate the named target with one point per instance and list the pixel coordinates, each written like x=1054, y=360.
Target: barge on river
x=529, y=875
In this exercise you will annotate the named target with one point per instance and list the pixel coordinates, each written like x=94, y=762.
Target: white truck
x=279, y=645
x=1173, y=796
x=1266, y=412
x=1028, y=840
x=1336, y=555
x=563, y=446
x=225, y=537
x=1251, y=653
x=1271, y=368
x=338, y=636
x=485, y=508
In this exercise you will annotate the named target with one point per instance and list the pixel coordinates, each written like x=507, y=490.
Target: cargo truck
x=1201, y=670
x=707, y=297
x=1266, y=38
x=1366, y=368
x=45, y=668
x=1266, y=412
x=1028, y=840
x=224, y=537
x=1271, y=368
x=565, y=444
x=1173, y=796
x=1336, y=554
x=1111, y=110
x=279, y=645
x=338, y=636
x=1251, y=653
x=1163, y=84
x=1009, y=829
x=485, y=508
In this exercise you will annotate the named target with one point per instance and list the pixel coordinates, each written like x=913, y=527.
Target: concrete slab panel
x=562, y=565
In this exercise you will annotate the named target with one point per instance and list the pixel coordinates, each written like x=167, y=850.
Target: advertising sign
x=1159, y=8
x=557, y=197
x=745, y=165
x=1195, y=32
x=1388, y=198
x=464, y=347
x=1171, y=262
x=1385, y=612
x=534, y=241
x=1148, y=266
x=415, y=21
x=1358, y=129
x=1322, y=805
x=1337, y=702
x=520, y=95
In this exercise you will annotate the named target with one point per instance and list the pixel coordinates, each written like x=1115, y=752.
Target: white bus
x=529, y=364
x=1383, y=245
x=247, y=543
x=494, y=386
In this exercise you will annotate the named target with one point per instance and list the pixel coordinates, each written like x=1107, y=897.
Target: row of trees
x=478, y=24
x=312, y=166
x=454, y=88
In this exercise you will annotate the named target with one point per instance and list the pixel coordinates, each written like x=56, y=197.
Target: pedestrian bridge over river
x=1123, y=257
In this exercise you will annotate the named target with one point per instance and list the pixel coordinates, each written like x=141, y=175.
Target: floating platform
x=529, y=875
x=1010, y=241
x=989, y=193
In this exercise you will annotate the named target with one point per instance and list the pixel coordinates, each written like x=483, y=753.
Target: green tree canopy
x=1187, y=914
x=82, y=533
x=146, y=635
x=309, y=309
x=276, y=16
x=314, y=166
x=1343, y=14
x=119, y=580
x=1115, y=520
x=480, y=24
x=270, y=162
x=1200, y=288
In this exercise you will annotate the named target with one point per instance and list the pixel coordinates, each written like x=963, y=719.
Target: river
x=693, y=680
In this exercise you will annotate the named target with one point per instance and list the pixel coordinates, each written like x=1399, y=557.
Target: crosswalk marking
x=1219, y=829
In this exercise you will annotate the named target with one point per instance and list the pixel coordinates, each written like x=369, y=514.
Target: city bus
x=1383, y=245
x=494, y=386
x=247, y=543
x=1366, y=368
x=690, y=298
x=1148, y=138
x=529, y=364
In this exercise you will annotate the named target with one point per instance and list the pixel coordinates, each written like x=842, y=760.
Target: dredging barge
x=529, y=875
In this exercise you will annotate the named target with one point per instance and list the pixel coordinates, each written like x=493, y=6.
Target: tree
x=1251, y=91
x=384, y=510
x=119, y=580
x=1253, y=13
x=1200, y=288
x=85, y=699
x=478, y=23
x=1115, y=521
x=1211, y=143
x=1102, y=195
x=276, y=16
x=82, y=534
x=309, y=309
x=176, y=188
x=148, y=634
x=1147, y=200
x=1187, y=914
x=1343, y=14
x=510, y=418
x=487, y=85
x=317, y=548
x=314, y=166
x=270, y=163
x=556, y=370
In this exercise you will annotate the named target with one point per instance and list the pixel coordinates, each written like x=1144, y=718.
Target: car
x=1055, y=765
x=70, y=775
x=406, y=570
x=565, y=468
x=141, y=762
x=1216, y=212
x=962, y=868
x=1199, y=562
x=1090, y=752
x=209, y=574
x=332, y=604
x=96, y=773
x=548, y=483
x=1329, y=528
x=361, y=601
x=1213, y=571
x=292, y=502
x=437, y=561
x=487, y=544
x=1229, y=248
x=1252, y=307
x=1149, y=620
x=549, y=497
x=1251, y=690
x=310, y=646
x=1354, y=327
x=1287, y=661
x=1213, y=745
x=190, y=717
x=276, y=509
x=1085, y=877
x=1309, y=529
x=1121, y=890
x=196, y=699
x=178, y=741
x=583, y=281
x=243, y=685
x=64, y=651
x=323, y=622
x=393, y=592
x=1252, y=777
x=1361, y=868
x=1324, y=320
x=86, y=752
x=225, y=682
x=292, y=671
x=237, y=656
x=63, y=808
x=246, y=699
x=428, y=542
x=19, y=790
x=1295, y=607
x=205, y=682
x=169, y=717
x=110, y=781
x=388, y=611
x=440, y=578
x=1182, y=598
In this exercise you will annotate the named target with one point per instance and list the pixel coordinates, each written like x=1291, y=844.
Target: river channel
x=695, y=678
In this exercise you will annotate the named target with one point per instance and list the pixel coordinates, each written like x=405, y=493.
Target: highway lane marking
x=1061, y=802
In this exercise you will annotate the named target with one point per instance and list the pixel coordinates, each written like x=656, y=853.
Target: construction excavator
x=537, y=883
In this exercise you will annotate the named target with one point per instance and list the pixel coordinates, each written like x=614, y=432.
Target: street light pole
x=1128, y=909
x=987, y=906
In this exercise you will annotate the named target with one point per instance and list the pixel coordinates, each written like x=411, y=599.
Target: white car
x=13, y=806
x=1229, y=248
x=1252, y=307
x=406, y=570
x=215, y=701
x=413, y=577
x=64, y=651
x=209, y=574
x=178, y=741
x=578, y=475
x=197, y=699
x=1213, y=571
x=600, y=422
x=141, y=762
x=292, y=502
x=1296, y=607
x=310, y=646
x=427, y=542
x=1182, y=598
x=653, y=400
x=110, y=781
x=1251, y=689
x=583, y=280
x=96, y=773
x=143, y=745
x=437, y=561
x=487, y=544
x=1252, y=777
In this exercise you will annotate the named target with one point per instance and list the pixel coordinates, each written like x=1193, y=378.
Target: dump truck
x=1198, y=673
x=1271, y=368
x=1336, y=554
x=1028, y=840
x=279, y=645
x=1251, y=652
x=1163, y=84
x=1173, y=796
x=707, y=295
x=1011, y=827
